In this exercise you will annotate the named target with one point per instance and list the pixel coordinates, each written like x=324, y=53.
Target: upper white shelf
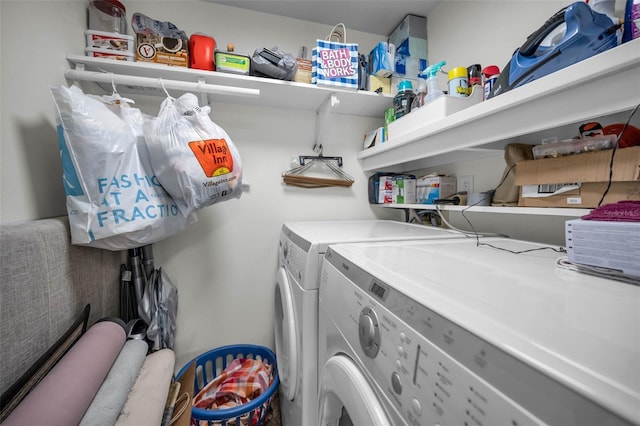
x=273, y=93
x=547, y=211
x=603, y=85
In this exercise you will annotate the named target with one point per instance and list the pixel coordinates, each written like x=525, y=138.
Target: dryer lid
x=317, y=236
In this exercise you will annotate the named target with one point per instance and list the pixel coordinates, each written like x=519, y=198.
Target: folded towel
x=622, y=211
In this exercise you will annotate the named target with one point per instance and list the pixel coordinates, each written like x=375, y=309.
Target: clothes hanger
x=302, y=175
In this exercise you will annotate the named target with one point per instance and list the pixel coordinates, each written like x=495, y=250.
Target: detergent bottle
x=433, y=90
x=403, y=100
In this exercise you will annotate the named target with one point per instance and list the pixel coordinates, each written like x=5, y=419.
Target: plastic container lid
x=458, y=72
x=107, y=15
x=405, y=85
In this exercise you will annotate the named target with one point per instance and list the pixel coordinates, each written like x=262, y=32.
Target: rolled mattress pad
x=148, y=397
x=65, y=393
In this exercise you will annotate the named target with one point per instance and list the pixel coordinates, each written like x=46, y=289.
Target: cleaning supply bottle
x=403, y=99
x=458, y=82
x=433, y=90
x=491, y=74
x=421, y=93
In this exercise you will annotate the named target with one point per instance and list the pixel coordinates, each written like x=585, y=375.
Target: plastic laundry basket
x=210, y=364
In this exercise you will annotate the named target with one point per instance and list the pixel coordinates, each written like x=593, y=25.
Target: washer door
x=286, y=335
x=345, y=391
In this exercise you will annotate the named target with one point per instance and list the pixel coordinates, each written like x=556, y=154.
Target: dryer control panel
x=435, y=372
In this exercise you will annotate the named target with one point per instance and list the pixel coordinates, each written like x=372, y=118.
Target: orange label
x=213, y=155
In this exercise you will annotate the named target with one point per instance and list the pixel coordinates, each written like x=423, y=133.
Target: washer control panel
x=369, y=332
x=436, y=372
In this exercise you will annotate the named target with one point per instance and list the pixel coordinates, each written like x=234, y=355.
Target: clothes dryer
x=458, y=333
x=301, y=250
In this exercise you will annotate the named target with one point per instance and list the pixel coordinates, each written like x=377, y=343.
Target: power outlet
x=465, y=183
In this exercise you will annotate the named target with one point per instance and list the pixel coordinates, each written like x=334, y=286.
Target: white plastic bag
x=114, y=200
x=194, y=158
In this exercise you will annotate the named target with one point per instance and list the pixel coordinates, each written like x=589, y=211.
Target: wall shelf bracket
x=322, y=117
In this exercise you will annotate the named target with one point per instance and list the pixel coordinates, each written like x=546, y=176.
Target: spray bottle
x=433, y=90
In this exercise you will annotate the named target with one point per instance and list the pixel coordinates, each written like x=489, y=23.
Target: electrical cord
x=613, y=154
x=564, y=263
x=477, y=235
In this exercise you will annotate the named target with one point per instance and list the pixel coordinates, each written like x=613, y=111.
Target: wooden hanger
x=302, y=175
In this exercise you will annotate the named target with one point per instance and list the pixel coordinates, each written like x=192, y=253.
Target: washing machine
x=301, y=250
x=457, y=332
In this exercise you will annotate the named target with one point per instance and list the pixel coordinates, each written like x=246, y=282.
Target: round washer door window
x=345, y=391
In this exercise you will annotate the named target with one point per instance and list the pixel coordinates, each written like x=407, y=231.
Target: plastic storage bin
x=210, y=364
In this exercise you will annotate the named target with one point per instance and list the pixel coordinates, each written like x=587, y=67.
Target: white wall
x=488, y=32
x=224, y=265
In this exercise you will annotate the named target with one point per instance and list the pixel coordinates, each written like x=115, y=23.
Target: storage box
x=589, y=172
x=410, y=39
x=432, y=112
x=162, y=50
x=385, y=189
x=404, y=189
x=303, y=73
x=232, y=63
x=109, y=54
x=410, y=66
x=431, y=188
x=379, y=83
x=375, y=137
x=159, y=42
x=382, y=60
x=607, y=244
x=120, y=43
x=577, y=146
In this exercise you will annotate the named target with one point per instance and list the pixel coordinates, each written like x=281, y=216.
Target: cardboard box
x=589, y=170
x=404, y=189
x=159, y=42
x=162, y=50
x=385, y=190
x=382, y=83
x=303, y=73
x=410, y=39
x=431, y=188
x=382, y=59
x=375, y=137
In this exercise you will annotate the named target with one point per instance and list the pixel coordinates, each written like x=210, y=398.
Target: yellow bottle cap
x=458, y=72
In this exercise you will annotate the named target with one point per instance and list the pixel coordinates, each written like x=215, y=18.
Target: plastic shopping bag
x=159, y=309
x=114, y=200
x=194, y=158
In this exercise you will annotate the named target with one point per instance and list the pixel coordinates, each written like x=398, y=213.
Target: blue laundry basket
x=210, y=364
